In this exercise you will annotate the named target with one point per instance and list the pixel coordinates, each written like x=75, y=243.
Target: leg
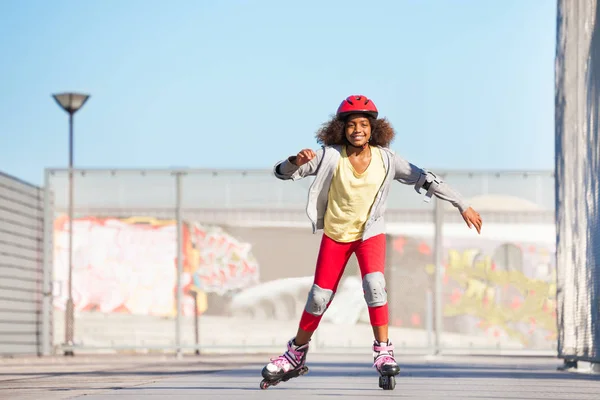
x=302, y=336
x=331, y=262
x=380, y=332
x=371, y=259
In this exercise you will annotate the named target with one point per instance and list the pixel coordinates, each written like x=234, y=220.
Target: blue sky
x=468, y=84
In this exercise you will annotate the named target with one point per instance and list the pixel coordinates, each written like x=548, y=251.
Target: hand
x=303, y=157
x=472, y=218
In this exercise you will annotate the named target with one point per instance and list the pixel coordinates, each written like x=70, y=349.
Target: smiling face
x=358, y=130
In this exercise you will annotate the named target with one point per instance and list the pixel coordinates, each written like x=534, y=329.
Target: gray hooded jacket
x=324, y=164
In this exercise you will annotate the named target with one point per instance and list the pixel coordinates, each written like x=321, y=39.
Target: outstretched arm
x=303, y=164
x=432, y=185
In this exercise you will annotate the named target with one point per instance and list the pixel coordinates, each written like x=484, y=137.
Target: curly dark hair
x=332, y=132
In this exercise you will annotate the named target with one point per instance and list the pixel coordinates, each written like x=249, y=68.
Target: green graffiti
x=481, y=286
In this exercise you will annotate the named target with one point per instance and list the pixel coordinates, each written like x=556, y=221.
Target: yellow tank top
x=351, y=196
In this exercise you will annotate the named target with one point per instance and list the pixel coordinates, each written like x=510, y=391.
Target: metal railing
x=152, y=246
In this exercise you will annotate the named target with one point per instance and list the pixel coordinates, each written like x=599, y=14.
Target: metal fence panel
x=21, y=246
x=248, y=257
x=577, y=170
x=496, y=291
x=124, y=264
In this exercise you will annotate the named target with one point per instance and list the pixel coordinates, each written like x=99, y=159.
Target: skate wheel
x=264, y=384
x=387, y=382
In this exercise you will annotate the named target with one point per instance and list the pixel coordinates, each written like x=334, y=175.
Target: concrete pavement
x=331, y=376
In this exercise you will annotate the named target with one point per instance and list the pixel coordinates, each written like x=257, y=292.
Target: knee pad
x=374, y=289
x=318, y=298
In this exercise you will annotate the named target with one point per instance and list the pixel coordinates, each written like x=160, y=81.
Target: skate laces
x=383, y=359
x=292, y=356
x=280, y=361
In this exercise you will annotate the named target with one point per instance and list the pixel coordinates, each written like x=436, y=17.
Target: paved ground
x=331, y=376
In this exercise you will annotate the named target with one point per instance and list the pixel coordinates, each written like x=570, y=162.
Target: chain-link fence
x=246, y=256
x=578, y=170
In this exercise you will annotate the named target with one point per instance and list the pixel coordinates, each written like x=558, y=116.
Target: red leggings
x=331, y=262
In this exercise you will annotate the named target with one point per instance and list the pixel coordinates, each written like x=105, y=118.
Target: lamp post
x=70, y=102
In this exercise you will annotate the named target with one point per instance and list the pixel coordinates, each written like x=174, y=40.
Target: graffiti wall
x=505, y=291
x=130, y=265
x=218, y=262
x=494, y=291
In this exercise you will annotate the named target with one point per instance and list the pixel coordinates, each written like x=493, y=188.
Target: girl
x=353, y=171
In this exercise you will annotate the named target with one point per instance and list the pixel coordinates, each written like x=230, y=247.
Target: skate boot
x=383, y=355
x=285, y=367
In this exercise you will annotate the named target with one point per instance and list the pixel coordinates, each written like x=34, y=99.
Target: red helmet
x=357, y=104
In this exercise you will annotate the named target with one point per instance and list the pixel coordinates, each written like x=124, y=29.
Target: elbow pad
x=428, y=181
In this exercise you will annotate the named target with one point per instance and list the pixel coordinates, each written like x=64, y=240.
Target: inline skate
x=290, y=364
x=385, y=363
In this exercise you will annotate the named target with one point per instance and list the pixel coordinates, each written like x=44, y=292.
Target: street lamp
x=70, y=102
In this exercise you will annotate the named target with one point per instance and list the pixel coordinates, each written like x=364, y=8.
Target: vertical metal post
x=179, y=296
x=47, y=268
x=439, y=272
x=539, y=189
x=70, y=102
x=227, y=195
x=196, y=323
x=429, y=319
x=69, y=320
